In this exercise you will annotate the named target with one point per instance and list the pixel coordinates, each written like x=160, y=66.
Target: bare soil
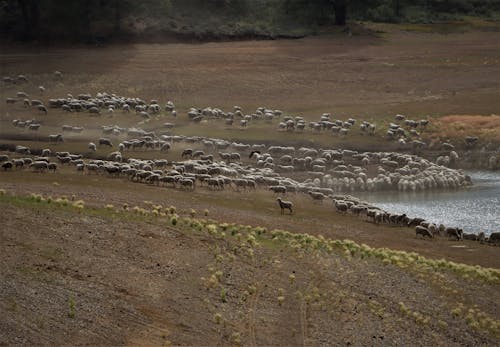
x=81, y=278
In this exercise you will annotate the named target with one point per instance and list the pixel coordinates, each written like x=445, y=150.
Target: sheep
x=92, y=147
x=470, y=141
x=8, y=165
x=285, y=205
x=234, y=157
x=52, y=166
x=34, y=126
x=42, y=108
x=18, y=163
x=341, y=206
x=187, y=183
x=58, y=74
x=46, y=152
x=4, y=157
x=278, y=189
x=317, y=196
x=105, y=142
x=39, y=165
x=187, y=153
x=56, y=138
x=22, y=78
x=420, y=230
x=454, y=233
x=494, y=238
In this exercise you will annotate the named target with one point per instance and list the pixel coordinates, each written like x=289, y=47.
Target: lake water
x=474, y=209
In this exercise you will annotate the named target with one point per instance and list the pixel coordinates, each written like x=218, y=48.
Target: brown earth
x=84, y=277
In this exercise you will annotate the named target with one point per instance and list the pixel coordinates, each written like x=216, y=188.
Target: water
x=474, y=209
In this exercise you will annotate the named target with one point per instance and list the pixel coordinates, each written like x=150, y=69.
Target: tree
x=340, y=11
x=31, y=17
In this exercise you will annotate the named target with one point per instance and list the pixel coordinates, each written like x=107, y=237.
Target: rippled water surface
x=474, y=209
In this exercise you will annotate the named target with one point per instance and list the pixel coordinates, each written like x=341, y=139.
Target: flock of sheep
x=218, y=164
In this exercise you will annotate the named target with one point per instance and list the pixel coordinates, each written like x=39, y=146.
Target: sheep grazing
x=494, y=238
x=40, y=165
x=278, y=189
x=105, y=142
x=420, y=230
x=56, y=138
x=454, y=233
x=58, y=74
x=187, y=153
x=52, y=167
x=341, y=206
x=7, y=165
x=92, y=147
x=41, y=89
x=285, y=205
x=42, y=108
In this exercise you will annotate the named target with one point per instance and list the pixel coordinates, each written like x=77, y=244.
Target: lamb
x=285, y=205
x=92, y=147
x=420, y=230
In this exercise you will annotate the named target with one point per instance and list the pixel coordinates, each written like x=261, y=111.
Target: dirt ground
x=83, y=278
x=368, y=75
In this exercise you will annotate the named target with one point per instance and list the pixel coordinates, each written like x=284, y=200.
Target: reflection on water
x=474, y=209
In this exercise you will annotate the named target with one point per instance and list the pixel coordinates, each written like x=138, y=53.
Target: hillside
x=102, y=275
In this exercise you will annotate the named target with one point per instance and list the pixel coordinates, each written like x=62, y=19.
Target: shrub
x=173, y=219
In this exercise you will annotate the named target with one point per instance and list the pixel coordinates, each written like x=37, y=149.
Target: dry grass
x=459, y=126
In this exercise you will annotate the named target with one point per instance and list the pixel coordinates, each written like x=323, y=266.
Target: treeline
x=100, y=20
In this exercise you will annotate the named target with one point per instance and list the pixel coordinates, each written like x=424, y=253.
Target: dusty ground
x=90, y=277
x=407, y=72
